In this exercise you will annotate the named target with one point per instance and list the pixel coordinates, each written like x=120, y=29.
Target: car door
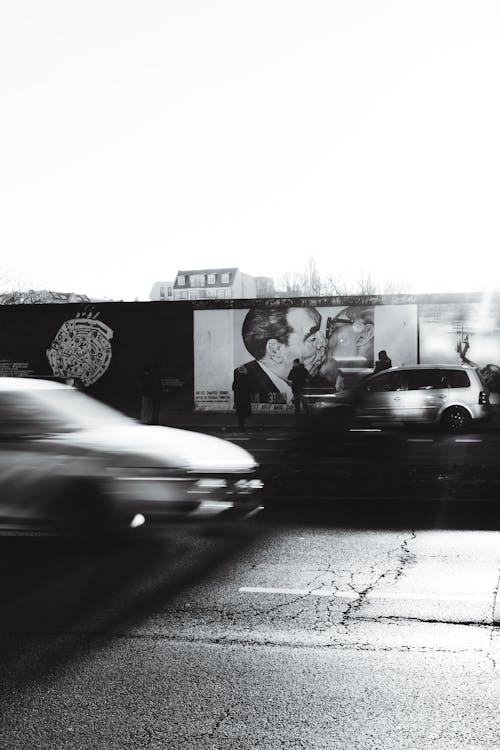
x=426, y=392
x=27, y=460
x=382, y=398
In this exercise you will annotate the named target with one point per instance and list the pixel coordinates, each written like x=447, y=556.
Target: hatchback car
x=453, y=396
x=70, y=463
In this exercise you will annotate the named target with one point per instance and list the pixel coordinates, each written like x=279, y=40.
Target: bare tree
x=310, y=283
x=11, y=292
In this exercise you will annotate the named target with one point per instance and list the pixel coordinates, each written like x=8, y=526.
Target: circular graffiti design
x=81, y=349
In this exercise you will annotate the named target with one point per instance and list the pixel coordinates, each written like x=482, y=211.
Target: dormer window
x=211, y=278
x=181, y=280
x=224, y=278
x=197, y=280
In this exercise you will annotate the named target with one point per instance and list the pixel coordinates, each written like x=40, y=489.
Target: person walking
x=242, y=396
x=298, y=377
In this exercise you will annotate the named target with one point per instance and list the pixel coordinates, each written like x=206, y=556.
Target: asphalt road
x=326, y=624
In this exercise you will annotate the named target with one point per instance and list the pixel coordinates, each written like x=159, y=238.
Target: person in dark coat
x=242, y=396
x=150, y=394
x=298, y=377
x=383, y=362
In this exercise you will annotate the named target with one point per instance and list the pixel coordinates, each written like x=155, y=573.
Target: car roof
x=30, y=384
x=399, y=368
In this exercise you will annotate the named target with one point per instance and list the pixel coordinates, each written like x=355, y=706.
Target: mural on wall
x=463, y=332
x=328, y=343
x=332, y=342
x=81, y=349
x=338, y=345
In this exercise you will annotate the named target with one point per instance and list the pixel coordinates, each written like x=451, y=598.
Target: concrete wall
x=198, y=344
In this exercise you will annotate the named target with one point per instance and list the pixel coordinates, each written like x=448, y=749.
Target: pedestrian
x=298, y=377
x=242, y=395
x=383, y=362
x=150, y=395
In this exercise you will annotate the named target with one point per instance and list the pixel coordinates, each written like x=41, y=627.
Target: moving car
x=71, y=463
x=452, y=396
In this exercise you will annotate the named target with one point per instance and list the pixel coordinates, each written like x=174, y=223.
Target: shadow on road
x=60, y=596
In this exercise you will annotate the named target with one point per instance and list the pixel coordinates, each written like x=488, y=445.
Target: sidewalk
x=206, y=420
x=222, y=420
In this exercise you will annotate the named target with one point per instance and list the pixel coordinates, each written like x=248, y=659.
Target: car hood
x=147, y=445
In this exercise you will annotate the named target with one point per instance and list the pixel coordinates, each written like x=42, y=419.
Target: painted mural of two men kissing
x=277, y=336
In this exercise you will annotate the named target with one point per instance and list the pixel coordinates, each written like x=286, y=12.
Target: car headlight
x=249, y=485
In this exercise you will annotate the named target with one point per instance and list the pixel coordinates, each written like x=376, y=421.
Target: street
x=322, y=623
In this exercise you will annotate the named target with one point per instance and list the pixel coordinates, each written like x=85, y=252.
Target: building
x=162, y=291
x=212, y=283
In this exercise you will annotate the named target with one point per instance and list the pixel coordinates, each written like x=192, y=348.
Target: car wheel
x=456, y=419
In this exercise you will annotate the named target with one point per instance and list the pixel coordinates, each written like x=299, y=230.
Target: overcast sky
x=138, y=137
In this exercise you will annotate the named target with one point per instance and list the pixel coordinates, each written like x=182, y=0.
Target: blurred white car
x=70, y=463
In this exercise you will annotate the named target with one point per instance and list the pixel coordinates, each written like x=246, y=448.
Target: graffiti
x=81, y=349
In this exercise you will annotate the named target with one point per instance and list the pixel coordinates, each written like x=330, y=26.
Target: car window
x=48, y=411
x=76, y=409
x=390, y=381
x=21, y=415
x=457, y=378
x=423, y=380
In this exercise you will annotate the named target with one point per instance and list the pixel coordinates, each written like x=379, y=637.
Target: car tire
x=456, y=419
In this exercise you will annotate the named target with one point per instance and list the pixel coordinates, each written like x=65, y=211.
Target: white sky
x=142, y=136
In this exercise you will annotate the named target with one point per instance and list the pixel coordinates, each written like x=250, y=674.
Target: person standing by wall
x=242, y=395
x=150, y=395
x=383, y=362
x=298, y=377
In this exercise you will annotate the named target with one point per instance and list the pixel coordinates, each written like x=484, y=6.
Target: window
x=455, y=379
x=224, y=278
x=181, y=281
x=162, y=292
x=387, y=382
x=423, y=380
x=197, y=280
x=194, y=294
x=211, y=278
x=429, y=379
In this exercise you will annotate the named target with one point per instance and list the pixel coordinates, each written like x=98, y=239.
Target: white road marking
x=365, y=429
x=420, y=440
x=278, y=438
x=394, y=595
x=239, y=439
x=468, y=440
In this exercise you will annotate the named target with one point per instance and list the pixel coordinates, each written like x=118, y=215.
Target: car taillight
x=484, y=397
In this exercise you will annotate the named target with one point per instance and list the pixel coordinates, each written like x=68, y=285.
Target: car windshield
x=67, y=409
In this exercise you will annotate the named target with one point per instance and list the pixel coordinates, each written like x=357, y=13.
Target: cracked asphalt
x=290, y=635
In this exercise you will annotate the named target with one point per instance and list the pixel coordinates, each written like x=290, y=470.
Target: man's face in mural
x=351, y=339
x=306, y=342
